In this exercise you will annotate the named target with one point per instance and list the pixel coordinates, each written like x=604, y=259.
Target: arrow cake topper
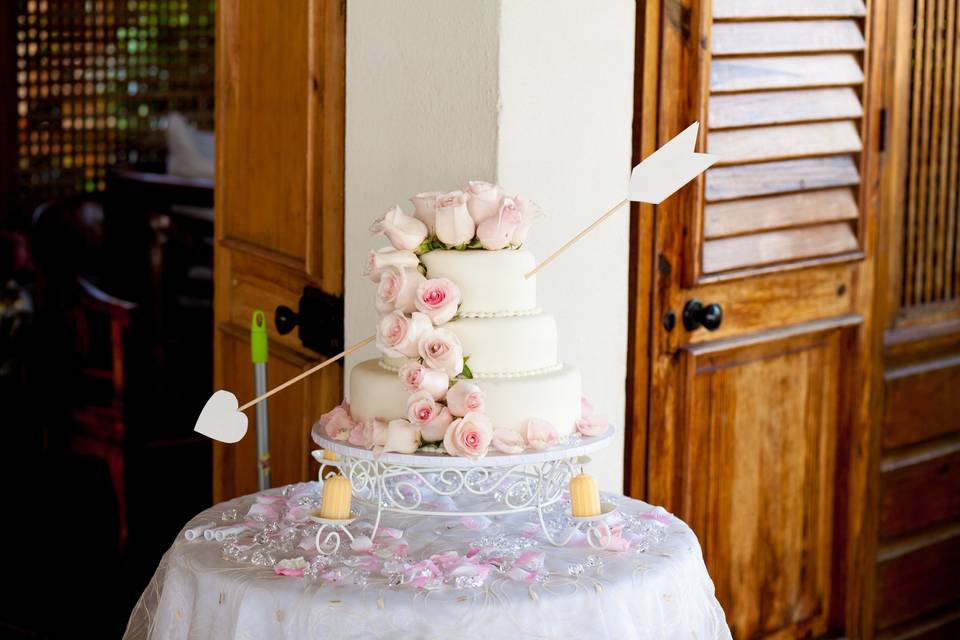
x=652, y=181
x=223, y=421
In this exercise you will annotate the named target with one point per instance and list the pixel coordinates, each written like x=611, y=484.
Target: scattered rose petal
x=361, y=543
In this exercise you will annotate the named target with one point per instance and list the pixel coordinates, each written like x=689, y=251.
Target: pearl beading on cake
x=515, y=313
x=499, y=375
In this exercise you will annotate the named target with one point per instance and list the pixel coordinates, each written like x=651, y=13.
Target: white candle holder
x=595, y=528
x=504, y=484
x=331, y=542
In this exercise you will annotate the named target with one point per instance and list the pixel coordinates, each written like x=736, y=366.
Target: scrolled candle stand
x=333, y=528
x=414, y=484
x=595, y=529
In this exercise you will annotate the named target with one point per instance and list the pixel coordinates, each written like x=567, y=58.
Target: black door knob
x=696, y=315
x=319, y=321
x=286, y=320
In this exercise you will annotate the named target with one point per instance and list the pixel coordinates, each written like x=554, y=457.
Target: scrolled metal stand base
x=500, y=485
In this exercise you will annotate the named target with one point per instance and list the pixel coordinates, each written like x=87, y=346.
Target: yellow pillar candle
x=327, y=470
x=336, y=498
x=584, y=496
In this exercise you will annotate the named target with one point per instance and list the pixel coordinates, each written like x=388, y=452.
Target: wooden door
x=279, y=222
x=914, y=588
x=756, y=433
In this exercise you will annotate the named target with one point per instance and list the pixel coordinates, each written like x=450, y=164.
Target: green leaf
x=466, y=373
x=475, y=244
x=429, y=244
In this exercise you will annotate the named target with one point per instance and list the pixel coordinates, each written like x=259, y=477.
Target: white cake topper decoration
x=668, y=168
x=652, y=181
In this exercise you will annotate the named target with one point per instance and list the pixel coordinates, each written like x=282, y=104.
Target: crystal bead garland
x=278, y=541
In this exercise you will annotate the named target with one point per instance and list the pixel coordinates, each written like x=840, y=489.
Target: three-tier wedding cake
x=468, y=361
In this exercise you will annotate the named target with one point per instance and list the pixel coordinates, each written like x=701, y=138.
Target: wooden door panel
x=921, y=401
x=758, y=476
x=280, y=113
x=915, y=586
x=257, y=283
x=930, y=471
x=757, y=432
x=785, y=299
x=266, y=85
x=918, y=576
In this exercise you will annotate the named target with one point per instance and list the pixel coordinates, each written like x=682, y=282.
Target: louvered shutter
x=784, y=114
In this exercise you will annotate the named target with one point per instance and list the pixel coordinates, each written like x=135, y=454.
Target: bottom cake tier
x=376, y=392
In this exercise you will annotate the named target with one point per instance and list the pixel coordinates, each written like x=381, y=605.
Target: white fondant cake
x=468, y=360
x=376, y=392
x=519, y=345
x=491, y=282
x=513, y=358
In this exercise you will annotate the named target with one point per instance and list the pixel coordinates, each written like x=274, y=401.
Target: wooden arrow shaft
x=596, y=223
x=309, y=372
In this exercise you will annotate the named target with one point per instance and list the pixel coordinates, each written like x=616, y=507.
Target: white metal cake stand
x=500, y=483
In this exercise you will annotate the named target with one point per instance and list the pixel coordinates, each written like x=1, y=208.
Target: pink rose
x=484, y=200
x=441, y=349
x=403, y=230
x=469, y=436
x=337, y=423
x=590, y=423
x=380, y=259
x=398, y=335
x=539, y=434
x=508, y=441
x=421, y=408
x=362, y=433
x=397, y=289
x=425, y=208
x=454, y=224
x=434, y=430
x=438, y=298
x=416, y=377
x=400, y=436
x=465, y=397
x=496, y=232
x=529, y=212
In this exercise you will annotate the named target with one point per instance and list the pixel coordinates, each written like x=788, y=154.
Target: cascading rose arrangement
x=469, y=362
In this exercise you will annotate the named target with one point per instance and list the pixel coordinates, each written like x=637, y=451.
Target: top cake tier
x=491, y=282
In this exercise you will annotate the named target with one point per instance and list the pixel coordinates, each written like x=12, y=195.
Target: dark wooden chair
x=83, y=336
x=160, y=227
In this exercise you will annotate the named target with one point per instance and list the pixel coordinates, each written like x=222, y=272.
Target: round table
x=462, y=577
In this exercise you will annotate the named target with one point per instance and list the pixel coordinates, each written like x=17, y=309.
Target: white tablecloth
x=428, y=578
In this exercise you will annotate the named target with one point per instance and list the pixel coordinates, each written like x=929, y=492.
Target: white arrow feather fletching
x=670, y=167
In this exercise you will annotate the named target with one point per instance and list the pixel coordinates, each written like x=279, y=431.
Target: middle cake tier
x=376, y=392
x=518, y=345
